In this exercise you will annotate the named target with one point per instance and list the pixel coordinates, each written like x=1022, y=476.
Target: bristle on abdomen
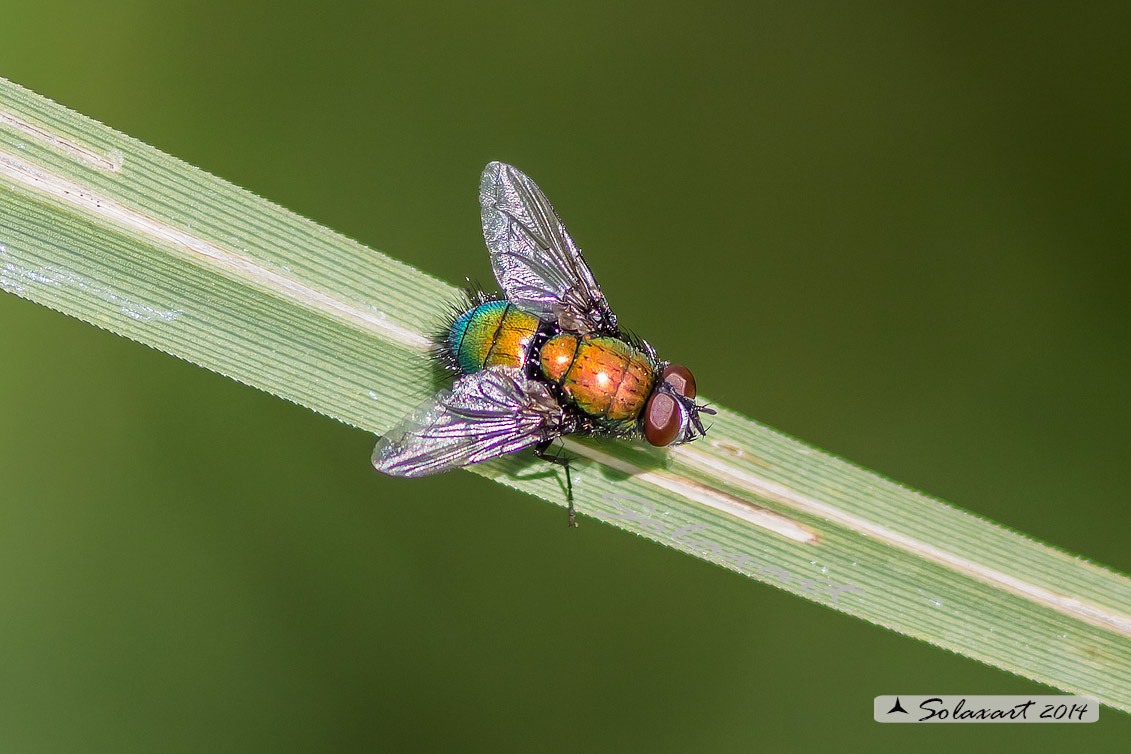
x=484, y=331
x=442, y=350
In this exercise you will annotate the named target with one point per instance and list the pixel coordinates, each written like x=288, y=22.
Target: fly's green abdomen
x=493, y=333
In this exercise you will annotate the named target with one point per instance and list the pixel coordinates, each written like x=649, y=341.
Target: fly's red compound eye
x=662, y=419
x=679, y=377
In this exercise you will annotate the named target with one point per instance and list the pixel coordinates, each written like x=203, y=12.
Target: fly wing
x=484, y=415
x=535, y=260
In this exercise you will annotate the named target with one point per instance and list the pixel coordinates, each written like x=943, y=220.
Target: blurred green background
x=897, y=231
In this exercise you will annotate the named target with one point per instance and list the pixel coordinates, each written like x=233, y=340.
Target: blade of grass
x=113, y=232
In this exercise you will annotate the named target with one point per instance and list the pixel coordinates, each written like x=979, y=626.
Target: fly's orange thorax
x=605, y=377
x=495, y=333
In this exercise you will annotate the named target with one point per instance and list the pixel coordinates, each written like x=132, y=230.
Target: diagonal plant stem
x=113, y=232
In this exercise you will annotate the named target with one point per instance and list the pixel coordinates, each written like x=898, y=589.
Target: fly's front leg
x=561, y=460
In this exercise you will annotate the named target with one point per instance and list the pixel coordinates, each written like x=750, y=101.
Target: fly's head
x=671, y=415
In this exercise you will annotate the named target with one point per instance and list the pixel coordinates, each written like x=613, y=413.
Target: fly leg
x=561, y=460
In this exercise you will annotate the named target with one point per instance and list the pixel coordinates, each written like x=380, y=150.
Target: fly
x=545, y=360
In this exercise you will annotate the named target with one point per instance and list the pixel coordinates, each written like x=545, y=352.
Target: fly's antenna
x=691, y=409
x=696, y=409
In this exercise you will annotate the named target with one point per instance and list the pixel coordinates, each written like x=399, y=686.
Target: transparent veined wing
x=484, y=415
x=534, y=259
